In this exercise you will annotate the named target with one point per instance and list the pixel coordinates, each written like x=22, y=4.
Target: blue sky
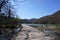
x=37, y=8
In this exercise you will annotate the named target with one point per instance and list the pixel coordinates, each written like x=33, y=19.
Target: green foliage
x=9, y=22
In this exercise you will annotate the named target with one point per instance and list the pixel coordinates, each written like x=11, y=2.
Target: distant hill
x=49, y=19
x=52, y=19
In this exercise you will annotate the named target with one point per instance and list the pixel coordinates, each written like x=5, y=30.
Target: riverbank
x=29, y=33
x=7, y=33
x=49, y=30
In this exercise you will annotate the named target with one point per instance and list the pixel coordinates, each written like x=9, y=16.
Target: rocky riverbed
x=8, y=33
x=29, y=33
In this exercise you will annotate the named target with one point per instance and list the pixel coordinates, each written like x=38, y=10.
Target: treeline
x=25, y=21
x=6, y=20
x=50, y=19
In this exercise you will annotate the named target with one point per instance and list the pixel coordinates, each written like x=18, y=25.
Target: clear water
x=39, y=25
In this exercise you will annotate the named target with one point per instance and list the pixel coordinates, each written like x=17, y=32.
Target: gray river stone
x=29, y=33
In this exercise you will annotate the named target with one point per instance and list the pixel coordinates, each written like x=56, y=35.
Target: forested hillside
x=49, y=19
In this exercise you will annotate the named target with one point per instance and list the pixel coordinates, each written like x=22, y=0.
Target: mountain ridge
x=54, y=18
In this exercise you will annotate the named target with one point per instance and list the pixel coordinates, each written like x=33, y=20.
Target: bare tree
x=8, y=5
x=2, y=3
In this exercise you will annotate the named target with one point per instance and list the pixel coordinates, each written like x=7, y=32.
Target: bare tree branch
x=3, y=3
